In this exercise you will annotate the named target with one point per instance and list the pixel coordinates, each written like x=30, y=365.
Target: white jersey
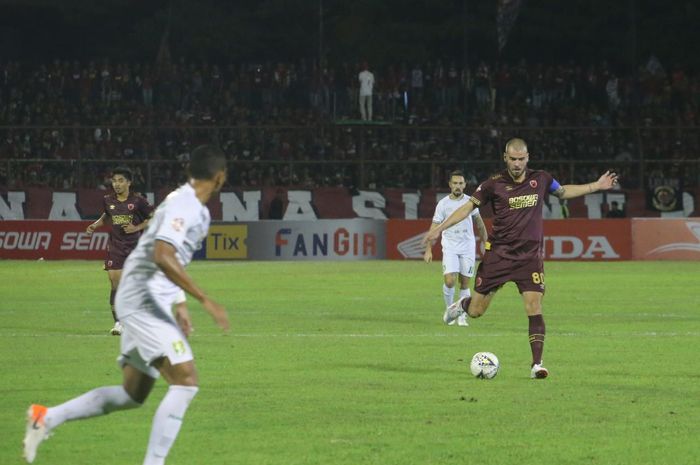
x=458, y=238
x=182, y=221
x=366, y=79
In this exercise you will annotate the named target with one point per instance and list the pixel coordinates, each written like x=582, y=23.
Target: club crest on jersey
x=178, y=224
x=130, y=206
x=533, y=183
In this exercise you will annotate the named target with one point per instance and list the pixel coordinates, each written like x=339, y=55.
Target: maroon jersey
x=517, y=232
x=135, y=210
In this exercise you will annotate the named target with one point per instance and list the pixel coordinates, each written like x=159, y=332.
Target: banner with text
x=51, y=240
x=572, y=239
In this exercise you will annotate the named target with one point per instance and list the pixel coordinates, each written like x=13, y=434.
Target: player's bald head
x=516, y=145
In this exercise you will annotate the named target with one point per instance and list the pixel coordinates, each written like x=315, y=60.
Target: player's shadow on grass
x=385, y=367
x=379, y=318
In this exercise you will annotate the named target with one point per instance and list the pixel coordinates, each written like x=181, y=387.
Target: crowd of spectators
x=65, y=124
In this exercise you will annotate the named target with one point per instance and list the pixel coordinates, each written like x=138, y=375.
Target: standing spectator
x=366, y=79
x=615, y=211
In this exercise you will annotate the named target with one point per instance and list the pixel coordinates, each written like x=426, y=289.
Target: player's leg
x=450, y=267
x=530, y=282
x=466, y=271
x=448, y=288
x=536, y=331
x=489, y=278
x=114, y=276
x=167, y=420
x=42, y=420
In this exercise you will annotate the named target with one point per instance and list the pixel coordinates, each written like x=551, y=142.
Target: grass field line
x=377, y=335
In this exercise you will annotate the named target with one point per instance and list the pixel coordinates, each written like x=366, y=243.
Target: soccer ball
x=484, y=365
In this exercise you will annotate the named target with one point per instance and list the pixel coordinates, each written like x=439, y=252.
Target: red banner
x=666, y=239
x=51, y=240
x=571, y=239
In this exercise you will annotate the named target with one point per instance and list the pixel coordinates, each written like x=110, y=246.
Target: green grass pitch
x=349, y=363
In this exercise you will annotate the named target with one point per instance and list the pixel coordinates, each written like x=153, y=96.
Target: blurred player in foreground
x=458, y=243
x=515, y=249
x=128, y=213
x=154, y=341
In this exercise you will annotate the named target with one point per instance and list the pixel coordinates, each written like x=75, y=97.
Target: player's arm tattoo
x=559, y=192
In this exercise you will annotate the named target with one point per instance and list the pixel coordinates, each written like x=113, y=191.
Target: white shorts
x=457, y=263
x=147, y=337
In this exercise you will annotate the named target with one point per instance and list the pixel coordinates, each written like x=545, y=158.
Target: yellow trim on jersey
x=487, y=245
x=475, y=201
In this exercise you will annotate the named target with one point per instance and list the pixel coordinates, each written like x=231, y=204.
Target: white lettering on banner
x=439, y=196
x=233, y=210
x=567, y=247
x=593, y=202
x=63, y=207
x=36, y=240
x=14, y=211
x=619, y=197
x=360, y=205
x=83, y=241
x=410, y=201
x=299, y=207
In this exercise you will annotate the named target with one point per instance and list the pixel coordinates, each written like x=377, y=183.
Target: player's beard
x=456, y=193
x=516, y=173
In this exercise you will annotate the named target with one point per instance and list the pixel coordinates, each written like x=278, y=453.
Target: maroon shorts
x=494, y=271
x=115, y=260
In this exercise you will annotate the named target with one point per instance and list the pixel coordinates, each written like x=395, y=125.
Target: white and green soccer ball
x=484, y=365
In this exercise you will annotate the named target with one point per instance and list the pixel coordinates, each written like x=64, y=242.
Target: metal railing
x=351, y=155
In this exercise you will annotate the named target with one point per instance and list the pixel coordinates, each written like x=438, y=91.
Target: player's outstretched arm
x=164, y=257
x=456, y=216
x=570, y=191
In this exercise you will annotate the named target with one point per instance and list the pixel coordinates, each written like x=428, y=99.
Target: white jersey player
x=458, y=242
x=154, y=342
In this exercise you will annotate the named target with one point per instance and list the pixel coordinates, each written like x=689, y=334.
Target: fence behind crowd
x=366, y=239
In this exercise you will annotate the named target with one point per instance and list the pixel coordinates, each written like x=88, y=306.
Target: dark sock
x=111, y=303
x=536, y=331
x=465, y=304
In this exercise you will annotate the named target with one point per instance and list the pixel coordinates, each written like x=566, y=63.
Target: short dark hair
x=206, y=161
x=123, y=171
x=457, y=173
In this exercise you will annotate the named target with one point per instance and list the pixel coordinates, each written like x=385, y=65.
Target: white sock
x=100, y=401
x=167, y=422
x=448, y=293
x=464, y=293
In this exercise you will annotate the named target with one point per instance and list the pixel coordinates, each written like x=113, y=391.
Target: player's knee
x=449, y=280
x=477, y=307
x=475, y=312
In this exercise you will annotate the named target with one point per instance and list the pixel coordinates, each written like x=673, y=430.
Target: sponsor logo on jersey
x=523, y=201
x=122, y=219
